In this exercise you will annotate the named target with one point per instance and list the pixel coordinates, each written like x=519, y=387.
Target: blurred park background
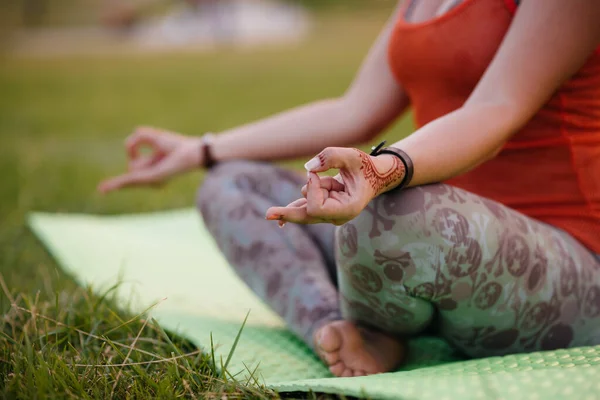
x=76, y=76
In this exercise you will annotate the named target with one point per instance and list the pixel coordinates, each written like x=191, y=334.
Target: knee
x=382, y=220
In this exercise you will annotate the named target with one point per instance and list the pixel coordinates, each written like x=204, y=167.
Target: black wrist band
x=206, y=150
x=404, y=158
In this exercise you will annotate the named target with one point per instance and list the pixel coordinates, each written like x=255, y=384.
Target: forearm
x=300, y=132
x=459, y=141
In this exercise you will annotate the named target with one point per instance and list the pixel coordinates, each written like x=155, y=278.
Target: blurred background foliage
x=32, y=13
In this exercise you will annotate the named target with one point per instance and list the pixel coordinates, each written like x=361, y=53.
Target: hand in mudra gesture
x=339, y=199
x=170, y=154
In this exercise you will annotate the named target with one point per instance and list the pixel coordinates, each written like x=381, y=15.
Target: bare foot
x=352, y=351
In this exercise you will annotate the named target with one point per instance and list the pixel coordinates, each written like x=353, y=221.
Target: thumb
x=333, y=157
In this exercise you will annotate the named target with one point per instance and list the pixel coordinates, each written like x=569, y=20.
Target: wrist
x=192, y=152
x=405, y=171
x=392, y=172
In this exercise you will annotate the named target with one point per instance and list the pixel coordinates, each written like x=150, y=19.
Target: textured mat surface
x=168, y=258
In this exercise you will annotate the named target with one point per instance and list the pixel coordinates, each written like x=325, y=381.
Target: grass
x=62, y=123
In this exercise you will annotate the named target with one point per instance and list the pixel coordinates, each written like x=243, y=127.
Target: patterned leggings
x=489, y=280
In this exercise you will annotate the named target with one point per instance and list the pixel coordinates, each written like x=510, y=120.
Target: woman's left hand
x=339, y=199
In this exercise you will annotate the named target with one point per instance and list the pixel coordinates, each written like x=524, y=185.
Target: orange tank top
x=550, y=169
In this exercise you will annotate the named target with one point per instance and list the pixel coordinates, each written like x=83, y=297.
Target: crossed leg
x=490, y=280
x=291, y=269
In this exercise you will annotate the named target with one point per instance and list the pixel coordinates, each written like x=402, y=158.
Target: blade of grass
x=136, y=368
x=212, y=352
x=94, y=336
x=164, y=360
x=235, y=342
x=157, y=326
x=134, y=318
x=10, y=339
x=251, y=377
x=112, y=393
x=111, y=289
x=6, y=291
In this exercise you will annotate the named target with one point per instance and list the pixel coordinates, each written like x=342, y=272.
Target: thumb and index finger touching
x=143, y=136
x=315, y=189
x=143, y=170
x=319, y=205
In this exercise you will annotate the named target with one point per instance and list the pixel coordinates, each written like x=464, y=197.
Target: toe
x=330, y=358
x=338, y=368
x=329, y=339
x=359, y=372
x=347, y=373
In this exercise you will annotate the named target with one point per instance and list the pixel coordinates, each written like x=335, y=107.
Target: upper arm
x=547, y=43
x=375, y=97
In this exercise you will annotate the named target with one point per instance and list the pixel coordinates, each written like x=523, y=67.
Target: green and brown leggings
x=488, y=279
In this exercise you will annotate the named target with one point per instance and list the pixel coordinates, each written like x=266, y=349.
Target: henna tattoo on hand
x=380, y=182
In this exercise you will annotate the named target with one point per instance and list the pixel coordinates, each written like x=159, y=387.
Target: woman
x=500, y=258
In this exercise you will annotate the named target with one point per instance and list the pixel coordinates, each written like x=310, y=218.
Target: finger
x=143, y=162
x=297, y=203
x=112, y=184
x=334, y=157
x=314, y=196
x=325, y=193
x=275, y=213
x=328, y=183
x=134, y=178
x=288, y=214
x=143, y=136
x=341, y=197
x=150, y=176
x=335, y=205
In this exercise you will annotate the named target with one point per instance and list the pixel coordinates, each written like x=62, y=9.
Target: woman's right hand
x=170, y=154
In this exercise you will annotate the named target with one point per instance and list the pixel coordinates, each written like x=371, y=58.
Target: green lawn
x=62, y=124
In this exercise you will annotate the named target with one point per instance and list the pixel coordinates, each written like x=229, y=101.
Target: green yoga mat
x=169, y=258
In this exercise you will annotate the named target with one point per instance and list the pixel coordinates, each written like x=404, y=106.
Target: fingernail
x=312, y=164
x=281, y=224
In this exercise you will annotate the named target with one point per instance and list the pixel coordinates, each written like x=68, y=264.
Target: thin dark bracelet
x=404, y=158
x=206, y=151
